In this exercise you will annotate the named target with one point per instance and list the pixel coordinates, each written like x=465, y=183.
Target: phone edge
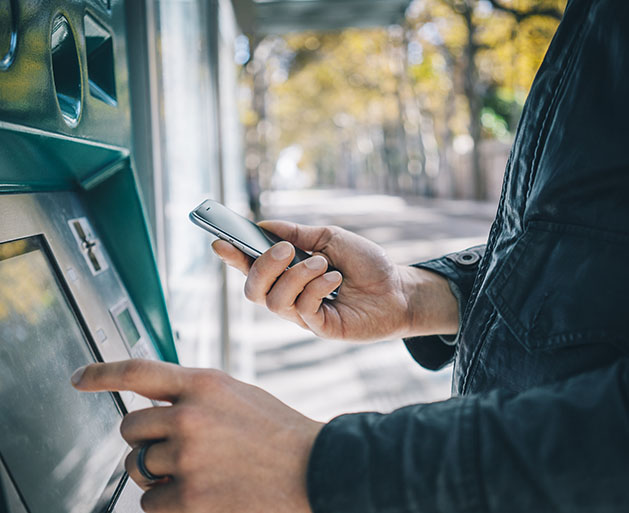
x=204, y=224
x=218, y=233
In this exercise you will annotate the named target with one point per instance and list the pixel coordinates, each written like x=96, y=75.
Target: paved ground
x=326, y=378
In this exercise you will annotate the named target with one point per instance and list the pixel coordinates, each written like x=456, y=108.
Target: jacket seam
x=495, y=230
x=489, y=249
x=527, y=336
x=473, y=364
x=578, y=229
x=572, y=49
x=547, y=342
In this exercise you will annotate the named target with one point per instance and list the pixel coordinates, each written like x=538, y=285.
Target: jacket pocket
x=563, y=285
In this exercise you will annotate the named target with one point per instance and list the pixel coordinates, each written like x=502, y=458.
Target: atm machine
x=78, y=279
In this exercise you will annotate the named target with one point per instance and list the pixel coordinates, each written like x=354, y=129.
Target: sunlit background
x=392, y=119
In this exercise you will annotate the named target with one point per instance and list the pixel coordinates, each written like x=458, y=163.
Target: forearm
x=556, y=448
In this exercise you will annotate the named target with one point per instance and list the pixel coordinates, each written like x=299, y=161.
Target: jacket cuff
x=436, y=351
x=414, y=459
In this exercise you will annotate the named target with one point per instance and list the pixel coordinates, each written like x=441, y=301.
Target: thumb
x=309, y=238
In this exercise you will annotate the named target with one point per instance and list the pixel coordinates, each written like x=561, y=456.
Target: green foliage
x=506, y=106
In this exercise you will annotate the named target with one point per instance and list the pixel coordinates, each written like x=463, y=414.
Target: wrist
x=432, y=308
x=303, y=443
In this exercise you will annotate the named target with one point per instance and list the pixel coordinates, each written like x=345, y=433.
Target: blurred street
x=324, y=378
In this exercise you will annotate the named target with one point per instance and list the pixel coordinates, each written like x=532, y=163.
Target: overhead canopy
x=262, y=17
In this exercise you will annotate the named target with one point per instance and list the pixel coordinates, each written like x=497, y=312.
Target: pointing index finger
x=155, y=380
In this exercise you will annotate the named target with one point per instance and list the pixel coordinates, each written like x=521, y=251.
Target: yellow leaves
x=248, y=117
x=349, y=72
x=389, y=85
x=513, y=52
x=359, y=73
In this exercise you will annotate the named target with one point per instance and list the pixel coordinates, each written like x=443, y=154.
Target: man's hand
x=222, y=445
x=377, y=299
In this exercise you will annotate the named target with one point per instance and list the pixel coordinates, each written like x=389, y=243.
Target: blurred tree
x=382, y=108
x=491, y=49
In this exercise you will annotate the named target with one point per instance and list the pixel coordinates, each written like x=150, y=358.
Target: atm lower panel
x=62, y=304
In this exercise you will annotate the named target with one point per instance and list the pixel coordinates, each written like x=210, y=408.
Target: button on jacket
x=539, y=421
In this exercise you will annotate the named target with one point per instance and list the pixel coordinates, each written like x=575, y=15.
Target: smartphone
x=245, y=235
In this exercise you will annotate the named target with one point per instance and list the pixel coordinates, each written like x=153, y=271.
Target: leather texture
x=539, y=420
x=548, y=297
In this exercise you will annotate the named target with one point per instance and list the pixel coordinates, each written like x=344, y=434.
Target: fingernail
x=78, y=374
x=281, y=251
x=316, y=263
x=334, y=276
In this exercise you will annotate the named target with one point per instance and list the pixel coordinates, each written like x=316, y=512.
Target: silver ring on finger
x=141, y=464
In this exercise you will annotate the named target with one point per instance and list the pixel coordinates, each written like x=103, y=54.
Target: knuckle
x=335, y=233
x=327, y=236
x=331, y=232
x=210, y=380
x=186, y=420
x=182, y=459
x=294, y=232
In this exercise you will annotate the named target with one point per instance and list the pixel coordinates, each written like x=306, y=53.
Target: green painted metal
x=102, y=175
x=41, y=151
x=118, y=216
x=35, y=160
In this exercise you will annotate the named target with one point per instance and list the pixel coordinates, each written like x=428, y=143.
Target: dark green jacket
x=540, y=418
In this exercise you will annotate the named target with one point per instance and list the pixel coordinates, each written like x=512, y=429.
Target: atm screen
x=61, y=447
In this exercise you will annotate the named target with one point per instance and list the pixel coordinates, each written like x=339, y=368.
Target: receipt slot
x=78, y=279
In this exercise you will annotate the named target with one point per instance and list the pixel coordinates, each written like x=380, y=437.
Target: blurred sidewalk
x=324, y=378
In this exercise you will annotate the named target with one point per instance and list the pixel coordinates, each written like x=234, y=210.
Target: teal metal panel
x=34, y=160
x=118, y=215
x=42, y=150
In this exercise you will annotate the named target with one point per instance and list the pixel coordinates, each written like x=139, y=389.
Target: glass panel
x=191, y=175
x=61, y=446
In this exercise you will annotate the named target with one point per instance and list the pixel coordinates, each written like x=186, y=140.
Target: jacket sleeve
x=434, y=352
x=560, y=448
